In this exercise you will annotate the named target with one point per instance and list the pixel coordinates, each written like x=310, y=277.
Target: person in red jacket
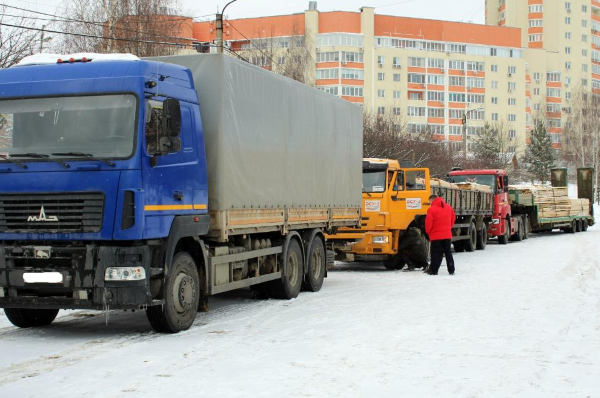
x=438, y=225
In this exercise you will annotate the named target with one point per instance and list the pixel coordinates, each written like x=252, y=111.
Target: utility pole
x=42, y=39
x=220, y=28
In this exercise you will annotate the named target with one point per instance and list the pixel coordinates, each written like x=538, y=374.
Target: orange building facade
x=429, y=73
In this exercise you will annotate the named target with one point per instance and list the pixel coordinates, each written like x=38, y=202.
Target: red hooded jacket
x=440, y=219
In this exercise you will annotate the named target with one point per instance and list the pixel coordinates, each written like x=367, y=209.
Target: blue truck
x=153, y=184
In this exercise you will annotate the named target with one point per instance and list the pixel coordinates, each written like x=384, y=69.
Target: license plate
x=42, y=277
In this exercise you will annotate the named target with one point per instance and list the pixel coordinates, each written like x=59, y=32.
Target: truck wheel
x=316, y=263
x=459, y=246
x=482, y=237
x=289, y=286
x=573, y=228
x=30, y=318
x=394, y=263
x=330, y=259
x=579, y=226
x=471, y=243
x=518, y=236
x=182, y=293
x=503, y=239
x=526, y=228
x=584, y=225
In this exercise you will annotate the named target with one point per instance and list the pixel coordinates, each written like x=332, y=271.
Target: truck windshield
x=101, y=126
x=373, y=181
x=483, y=179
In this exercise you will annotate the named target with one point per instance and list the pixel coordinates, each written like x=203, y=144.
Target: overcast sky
x=462, y=10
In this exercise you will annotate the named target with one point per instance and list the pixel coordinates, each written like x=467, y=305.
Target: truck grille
x=51, y=212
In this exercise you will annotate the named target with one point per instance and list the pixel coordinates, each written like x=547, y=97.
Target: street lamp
x=464, y=123
x=220, y=28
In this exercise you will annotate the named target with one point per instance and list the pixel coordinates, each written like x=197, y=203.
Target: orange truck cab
x=393, y=197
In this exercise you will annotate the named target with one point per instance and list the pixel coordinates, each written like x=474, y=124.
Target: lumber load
x=552, y=202
x=472, y=186
x=436, y=182
x=580, y=207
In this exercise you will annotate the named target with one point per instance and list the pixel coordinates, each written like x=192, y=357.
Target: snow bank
x=44, y=59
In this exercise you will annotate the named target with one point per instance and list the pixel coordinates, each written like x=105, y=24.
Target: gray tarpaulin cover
x=274, y=142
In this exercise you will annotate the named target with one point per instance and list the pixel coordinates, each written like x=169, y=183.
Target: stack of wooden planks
x=436, y=182
x=580, y=207
x=552, y=202
x=472, y=186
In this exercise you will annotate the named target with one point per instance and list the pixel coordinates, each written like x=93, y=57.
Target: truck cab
x=101, y=161
x=393, y=196
x=497, y=180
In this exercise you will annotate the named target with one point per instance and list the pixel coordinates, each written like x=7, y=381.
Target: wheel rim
x=316, y=262
x=293, y=268
x=184, y=292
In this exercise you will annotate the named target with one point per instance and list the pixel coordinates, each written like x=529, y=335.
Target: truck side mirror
x=172, y=117
x=168, y=145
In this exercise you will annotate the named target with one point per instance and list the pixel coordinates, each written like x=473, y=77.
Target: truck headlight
x=380, y=239
x=124, y=274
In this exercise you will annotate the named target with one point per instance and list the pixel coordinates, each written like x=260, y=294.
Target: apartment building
x=563, y=51
x=429, y=73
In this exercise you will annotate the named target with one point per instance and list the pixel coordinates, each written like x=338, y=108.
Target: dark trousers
x=439, y=249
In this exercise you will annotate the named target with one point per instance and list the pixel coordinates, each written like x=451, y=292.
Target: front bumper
x=82, y=268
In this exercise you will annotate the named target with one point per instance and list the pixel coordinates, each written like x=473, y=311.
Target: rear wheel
x=503, y=239
x=394, y=263
x=482, y=237
x=584, y=225
x=291, y=279
x=471, y=243
x=182, y=294
x=518, y=236
x=30, y=318
x=572, y=229
x=316, y=266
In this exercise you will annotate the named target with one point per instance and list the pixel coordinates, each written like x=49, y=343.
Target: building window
x=536, y=8
x=535, y=23
x=328, y=73
x=340, y=39
x=584, y=82
x=457, y=81
x=396, y=62
x=512, y=117
x=584, y=23
x=537, y=77
x=494, y=68
x=536, y=107
x=329, y=89
x=436, y=79
x=415, y=96
x=456, y=97
x=494, y=84
x=455, y=130
x=512, y=86
x=567, y=81
x=584, y=8
x=584, y=38
x=475, y=82
x=348, y=56
x=397, y=111
x=567, y=20
x=435, y=96
x=553, y=77
x=584, y=53
x=495, y=100
x=512, y=70
x=435, y=63
x=567, y=65
x=381, y=60
x=355, y=74
x=436, y=112
x=381, y=93
x=536, y=91
x=475, y=98
x=416, y=111
x=381, y=110
x=352, y=91
x=512, y=101
x=456, y=65
x=536, y=38
x=494, y=117
x=396, y=77
x=396, y=94
x=568, y=5
x=567, y=50
x=584, y=67
x=456, y=113
x=553, y=92
x=416, y=62
x=380, y=76
x=567, y=35
x=475, y=66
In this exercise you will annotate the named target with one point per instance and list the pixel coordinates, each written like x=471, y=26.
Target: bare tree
x=581, y=136
x=496, y=147
x=141, y=27
x=17, y=41
x=290, y=56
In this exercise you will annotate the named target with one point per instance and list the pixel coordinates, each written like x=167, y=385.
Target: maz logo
x=42, y=217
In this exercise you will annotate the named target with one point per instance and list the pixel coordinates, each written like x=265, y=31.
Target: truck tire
x=579, y=226
x=181, y=293
x=330, y=259
x=30, y=318
x=394, y=263
x=503, y=239
x=316, y=262
x=584, y=225
x=459, y=246
x=526, y=228
x=482, y=237
x=518, y=236
x=289, y=285
x=471, y=243
x=572, y=229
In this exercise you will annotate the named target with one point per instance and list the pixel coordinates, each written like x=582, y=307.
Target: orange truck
x=395, y=199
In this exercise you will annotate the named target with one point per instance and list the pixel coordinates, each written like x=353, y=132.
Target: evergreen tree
x=540, y=154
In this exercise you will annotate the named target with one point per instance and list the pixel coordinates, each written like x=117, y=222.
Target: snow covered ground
x=522, y=320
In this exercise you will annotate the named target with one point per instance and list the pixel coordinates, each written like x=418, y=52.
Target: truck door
x=410, y=193
x=169, y=179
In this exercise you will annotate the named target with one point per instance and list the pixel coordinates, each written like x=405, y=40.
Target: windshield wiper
x=39, y=156
x=368, y=193
x=85, y=155
x=8, y=159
